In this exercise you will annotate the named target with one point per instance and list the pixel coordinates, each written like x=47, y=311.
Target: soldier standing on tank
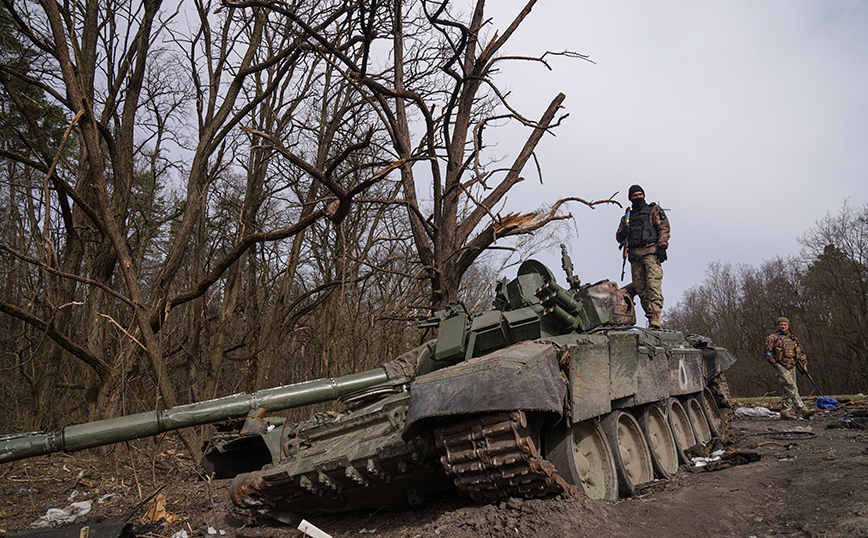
x=644, y=232
x=783, y=351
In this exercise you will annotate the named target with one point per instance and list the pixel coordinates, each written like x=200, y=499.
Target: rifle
x=624, y=245
x=802, y=369
x=823, y=402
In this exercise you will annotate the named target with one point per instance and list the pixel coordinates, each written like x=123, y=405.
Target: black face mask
x=639, y=203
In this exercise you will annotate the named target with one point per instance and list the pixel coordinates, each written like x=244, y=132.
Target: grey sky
x=747, y=120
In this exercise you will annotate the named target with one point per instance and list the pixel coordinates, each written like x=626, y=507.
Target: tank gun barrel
x=125, y=428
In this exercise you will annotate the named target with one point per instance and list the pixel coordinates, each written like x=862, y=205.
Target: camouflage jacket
x=784, y=349
x=659, y=221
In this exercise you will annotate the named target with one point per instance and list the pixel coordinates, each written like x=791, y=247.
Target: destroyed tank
x=552, y=392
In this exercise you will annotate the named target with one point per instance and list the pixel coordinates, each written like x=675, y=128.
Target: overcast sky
x=747, y=120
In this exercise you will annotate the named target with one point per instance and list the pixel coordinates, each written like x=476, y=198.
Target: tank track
x=494, y=456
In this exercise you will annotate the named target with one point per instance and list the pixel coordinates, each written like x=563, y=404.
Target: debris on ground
x=855, y=420
x=157, y=512
x=756, y=412
x=311, y=530
x=56, y=517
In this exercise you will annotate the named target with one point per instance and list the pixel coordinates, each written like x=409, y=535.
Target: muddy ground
x=812, y=482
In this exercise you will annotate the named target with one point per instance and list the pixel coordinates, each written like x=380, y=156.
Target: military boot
x=786, y=415
x=808, y=413
x=654, y=320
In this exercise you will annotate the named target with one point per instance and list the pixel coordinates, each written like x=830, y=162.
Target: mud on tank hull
x=582, y=413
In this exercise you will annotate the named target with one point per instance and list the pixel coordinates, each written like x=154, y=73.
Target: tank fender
x=525, y=376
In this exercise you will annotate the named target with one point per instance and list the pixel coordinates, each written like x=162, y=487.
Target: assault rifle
x=624, y=245
x=804, y=370
x=823, y=401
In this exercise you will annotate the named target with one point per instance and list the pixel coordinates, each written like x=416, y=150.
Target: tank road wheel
x=664, y=454
x=697, y=419
x=583, y=458
x=712, y=413
x=632, y=455
x=681, y=429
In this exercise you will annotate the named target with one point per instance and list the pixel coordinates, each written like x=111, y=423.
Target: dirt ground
x=810, y=481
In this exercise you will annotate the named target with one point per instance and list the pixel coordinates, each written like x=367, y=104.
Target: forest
x=237, y=195
x=823, y=292
x=231, y=196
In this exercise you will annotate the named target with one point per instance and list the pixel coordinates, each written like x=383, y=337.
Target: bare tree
x=823, y=293
x=439, y=64
x=131, y=290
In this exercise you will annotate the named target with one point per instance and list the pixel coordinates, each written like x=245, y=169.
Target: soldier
x=644, y=232
x=783, y=351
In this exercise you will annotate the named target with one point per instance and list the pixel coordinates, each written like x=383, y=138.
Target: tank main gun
x=114, y=430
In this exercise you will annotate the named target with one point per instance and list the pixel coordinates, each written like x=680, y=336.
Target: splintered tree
x=434, y=96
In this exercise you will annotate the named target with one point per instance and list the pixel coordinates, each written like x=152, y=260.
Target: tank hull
x=538, y=418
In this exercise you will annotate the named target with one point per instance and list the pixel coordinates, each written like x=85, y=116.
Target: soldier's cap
x=783, y=320
x=634, y=189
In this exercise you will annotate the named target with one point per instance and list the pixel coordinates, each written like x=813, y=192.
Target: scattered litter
x=73, y=495
x=856, y=420
x=827, y=403
x=702, y=462
x=309, y=530
x=720, y=459
x=212, y=530
x=757, y=412
x=108, y=497
x=157, y=512
x=57, y=516
x=366, y=531
x=26, y=491
x=180, y=534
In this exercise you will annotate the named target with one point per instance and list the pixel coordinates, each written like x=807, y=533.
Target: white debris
x=758, y=412
x=180, y=534
x=311, y=531
x=212, y=530
x=702, y=462
x=56, y=516
x=108, y=497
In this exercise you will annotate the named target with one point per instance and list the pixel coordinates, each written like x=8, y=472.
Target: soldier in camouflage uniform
x=644, y=231
x=783, y=351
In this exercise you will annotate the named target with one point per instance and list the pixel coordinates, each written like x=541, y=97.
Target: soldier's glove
x=661, y=254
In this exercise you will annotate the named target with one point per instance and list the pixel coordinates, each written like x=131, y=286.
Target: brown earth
x=810, y=482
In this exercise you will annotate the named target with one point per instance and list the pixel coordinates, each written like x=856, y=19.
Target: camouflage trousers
x=790, y=397
x=648, y=279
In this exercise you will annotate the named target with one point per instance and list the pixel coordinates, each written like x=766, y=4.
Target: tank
x=554, y=391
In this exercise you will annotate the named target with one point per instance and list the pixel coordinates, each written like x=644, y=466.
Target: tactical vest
x=786, y=348
x=641, y=232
